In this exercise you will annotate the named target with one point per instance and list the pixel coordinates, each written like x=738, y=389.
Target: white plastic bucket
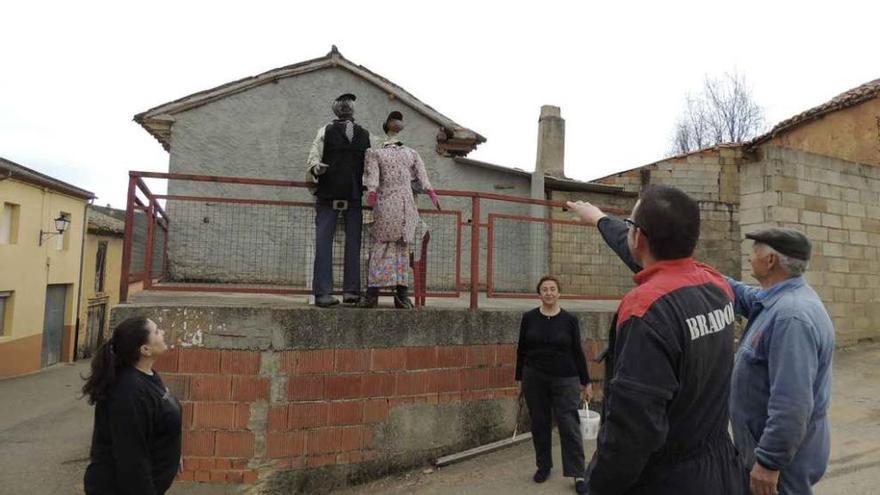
x=589, y=423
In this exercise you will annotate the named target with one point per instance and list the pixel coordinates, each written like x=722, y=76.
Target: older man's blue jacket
x=781, y=386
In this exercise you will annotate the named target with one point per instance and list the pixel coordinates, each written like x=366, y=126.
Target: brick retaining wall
x=294, y=408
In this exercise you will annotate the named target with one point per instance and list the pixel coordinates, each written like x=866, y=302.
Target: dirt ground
x=855, y=453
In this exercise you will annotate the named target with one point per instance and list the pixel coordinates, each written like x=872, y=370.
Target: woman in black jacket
x=552, y=368
x=136, y=439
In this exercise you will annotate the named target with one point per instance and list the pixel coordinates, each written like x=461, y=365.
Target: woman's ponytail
x=122, y=349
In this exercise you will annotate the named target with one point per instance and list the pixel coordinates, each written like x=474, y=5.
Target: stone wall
x=712, y=178
x=304, y=401
x=836, y=203
x=579, y=256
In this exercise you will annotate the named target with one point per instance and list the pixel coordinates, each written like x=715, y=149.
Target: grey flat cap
x=789, y=242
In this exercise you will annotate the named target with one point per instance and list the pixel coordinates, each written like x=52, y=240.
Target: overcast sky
x=73, y=74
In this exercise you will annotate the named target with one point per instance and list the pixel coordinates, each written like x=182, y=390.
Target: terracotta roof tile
x=846, y=99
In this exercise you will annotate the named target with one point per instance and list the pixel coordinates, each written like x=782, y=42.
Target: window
x=100, y=263
x=9, y=224
x=5, y=308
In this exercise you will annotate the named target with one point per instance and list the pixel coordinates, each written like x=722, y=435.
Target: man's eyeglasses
x=632, y=223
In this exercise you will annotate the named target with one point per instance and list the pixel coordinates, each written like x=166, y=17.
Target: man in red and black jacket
x=669, y=359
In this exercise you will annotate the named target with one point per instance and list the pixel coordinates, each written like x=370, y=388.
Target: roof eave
x=550, y=182
x=557, y=184
x=679, y=156
x=159, y=120
x=24, y=174
x=99, y=230
x=847, y=99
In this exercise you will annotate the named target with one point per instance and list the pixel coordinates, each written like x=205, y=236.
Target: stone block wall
x=304, y=401
x=579, y=256
x=712, y=178
x=836, y=203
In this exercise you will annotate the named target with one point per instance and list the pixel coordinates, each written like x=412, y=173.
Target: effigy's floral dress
x=390, y=172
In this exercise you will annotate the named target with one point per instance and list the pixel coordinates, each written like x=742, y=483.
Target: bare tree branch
x=723, y=112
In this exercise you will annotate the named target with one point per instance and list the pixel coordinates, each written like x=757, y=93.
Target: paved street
x=45, y=431
x=854, y=468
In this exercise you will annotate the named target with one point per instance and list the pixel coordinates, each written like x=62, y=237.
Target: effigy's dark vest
x=345, y=176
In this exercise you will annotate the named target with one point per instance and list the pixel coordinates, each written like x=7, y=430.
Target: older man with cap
x=336, y=163
x=781, y=385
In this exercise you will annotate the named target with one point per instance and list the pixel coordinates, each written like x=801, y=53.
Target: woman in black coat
x=552, y=368
x=136, y=439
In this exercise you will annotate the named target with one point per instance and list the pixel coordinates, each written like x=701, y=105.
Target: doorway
x=53, y=324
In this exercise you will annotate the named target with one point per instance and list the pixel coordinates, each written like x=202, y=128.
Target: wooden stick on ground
x=482, y=449
x=489, y=447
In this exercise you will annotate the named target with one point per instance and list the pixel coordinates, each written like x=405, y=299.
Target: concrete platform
x=159, y=297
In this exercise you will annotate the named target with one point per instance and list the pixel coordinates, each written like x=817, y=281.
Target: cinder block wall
x=305, y=401
x=836, y=203
x=579, y=256
x=712, y=178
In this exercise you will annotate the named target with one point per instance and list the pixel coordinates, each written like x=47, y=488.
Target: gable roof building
x=452, y=138
x=847, y=99
x=12, y=170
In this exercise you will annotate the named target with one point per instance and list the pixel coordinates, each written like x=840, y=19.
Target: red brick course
x=349, y=360
x=392, y=359
x=239, y=362
x=199, y=361
x=332, y=401
x=211, y=388
x=235, y=444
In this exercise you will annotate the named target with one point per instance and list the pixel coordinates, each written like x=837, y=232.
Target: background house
x=817, y=172
x=263, y=127
x=102, y=268
x=39, y=273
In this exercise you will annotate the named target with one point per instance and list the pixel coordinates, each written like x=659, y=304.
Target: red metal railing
x=448, y=258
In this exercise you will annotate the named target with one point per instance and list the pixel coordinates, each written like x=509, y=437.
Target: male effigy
x=336, y=162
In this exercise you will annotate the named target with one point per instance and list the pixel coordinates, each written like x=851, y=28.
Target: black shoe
x=541, y=475
x=350, y=298
x=401, y=298
x=326, y=301
x=580, y=486
x=370, y=300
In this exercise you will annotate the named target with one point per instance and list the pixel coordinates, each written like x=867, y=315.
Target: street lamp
x=61, y=224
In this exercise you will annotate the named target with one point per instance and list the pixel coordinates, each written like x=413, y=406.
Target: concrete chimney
x=551, y=142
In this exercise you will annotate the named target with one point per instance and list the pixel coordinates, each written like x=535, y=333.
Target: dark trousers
x=715, y=469
x=548, y=396
x=325, y=227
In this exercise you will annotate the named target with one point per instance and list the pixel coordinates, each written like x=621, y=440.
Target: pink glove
x=433, y=195
x=372, y=197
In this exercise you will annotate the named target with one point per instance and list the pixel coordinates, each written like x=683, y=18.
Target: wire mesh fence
x=258, y=235
x=271, y=244
x=139, y=245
